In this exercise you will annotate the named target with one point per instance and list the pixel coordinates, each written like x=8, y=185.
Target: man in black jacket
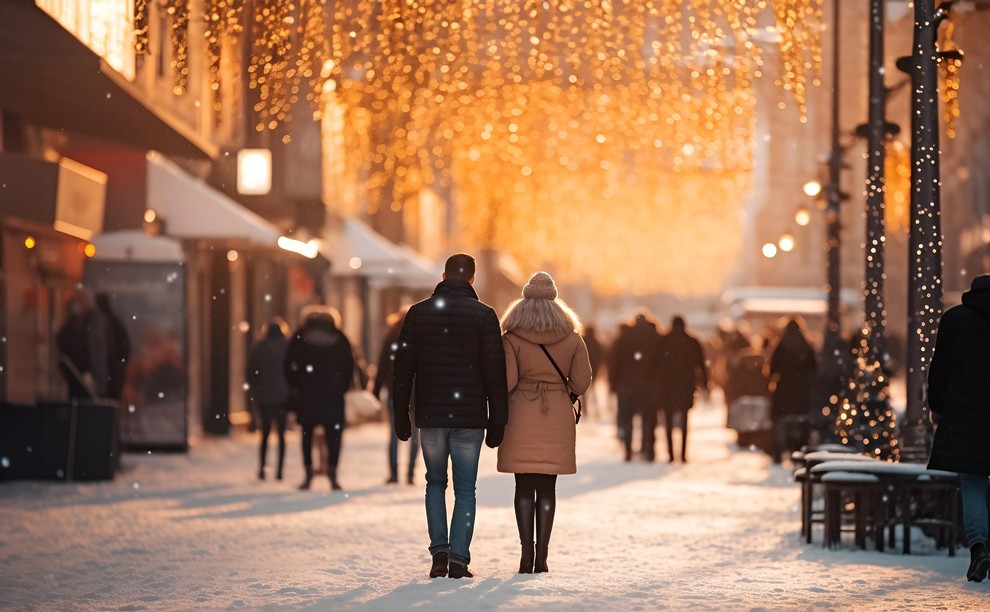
x=450, y=348
x=959, y=403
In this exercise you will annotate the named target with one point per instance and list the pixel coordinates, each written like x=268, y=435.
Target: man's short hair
x=460, y=267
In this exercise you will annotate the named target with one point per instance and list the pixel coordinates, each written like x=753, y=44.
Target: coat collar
x=452, y=287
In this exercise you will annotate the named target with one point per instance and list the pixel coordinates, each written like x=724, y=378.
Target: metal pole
x=925, y=243
x=833, y=350
x=875, y=313
x=833, y=338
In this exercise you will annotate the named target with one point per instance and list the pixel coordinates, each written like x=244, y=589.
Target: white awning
x=356, y=250
x=135, y=245
x=192, y=209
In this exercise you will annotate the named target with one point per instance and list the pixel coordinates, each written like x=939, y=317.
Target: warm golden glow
x=554, y=127
x=150, y=216
x=802, y=217
x=89, y=250
x=897, y=195
x=30, y=242
x=769, y=250
x=812, y=189
x=949, y=86
x=786, y=243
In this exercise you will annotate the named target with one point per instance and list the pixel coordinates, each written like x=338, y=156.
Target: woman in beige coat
x=539, y=437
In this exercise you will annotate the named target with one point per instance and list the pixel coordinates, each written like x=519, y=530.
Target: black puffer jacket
x=319, y=367
x=959, y=384
x=451, y=348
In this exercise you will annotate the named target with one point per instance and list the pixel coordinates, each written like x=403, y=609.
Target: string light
x=223, y=20
x=949, y=69
x=551, y=125
x=178, y=20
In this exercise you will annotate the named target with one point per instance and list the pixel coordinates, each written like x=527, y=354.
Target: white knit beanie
x=540, y=285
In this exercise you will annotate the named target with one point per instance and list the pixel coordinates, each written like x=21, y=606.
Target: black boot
x=333, y=479
x=979, y=563
x=309, y=478
x=545, y=508
x=439, y=567
x=525, y=518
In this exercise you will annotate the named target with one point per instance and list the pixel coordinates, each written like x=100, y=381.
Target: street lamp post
x=873, y=302
x=925, y=241
x=834, y=352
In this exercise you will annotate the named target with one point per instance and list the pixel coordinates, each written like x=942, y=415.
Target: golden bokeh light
x=610, y=141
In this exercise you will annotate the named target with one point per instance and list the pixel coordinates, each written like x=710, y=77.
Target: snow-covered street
x=199, y=530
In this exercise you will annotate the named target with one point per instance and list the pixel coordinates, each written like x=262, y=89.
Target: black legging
x=333, y=436
x=668, y=423
x=536, y=486
x=273, y=413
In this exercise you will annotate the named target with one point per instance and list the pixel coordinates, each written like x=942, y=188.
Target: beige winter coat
x=540, y=435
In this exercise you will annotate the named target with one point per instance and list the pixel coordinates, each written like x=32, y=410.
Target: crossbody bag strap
x=577, y=411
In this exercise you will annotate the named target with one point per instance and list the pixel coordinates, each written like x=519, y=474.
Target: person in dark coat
x=383, y=381
x=792, y=370
x=118, y=347
x=82, y=344
x=269, y=390
x=959, y=403
x=632, y=373
x=682, y=370
x=319, y=367
x=450, y=348
x=597, y=354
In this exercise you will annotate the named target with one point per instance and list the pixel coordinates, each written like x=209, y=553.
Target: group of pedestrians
x=307, y=375
x=653, y=373
x=507, y=384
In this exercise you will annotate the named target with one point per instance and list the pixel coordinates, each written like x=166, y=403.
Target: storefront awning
x=50, y=78
x=189, y=208
x=356, y=250
x=137, y=246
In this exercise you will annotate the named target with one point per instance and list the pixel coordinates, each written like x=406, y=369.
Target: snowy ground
x=199, y=531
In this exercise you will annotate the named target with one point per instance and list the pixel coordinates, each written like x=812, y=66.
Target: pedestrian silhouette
x=958, y=392
x=633, y=366
x=451, y=346
x=319, y=367
x=268, y=390
x=542, y=334
x=682, y=371
x=383, y=382
x=792, y=372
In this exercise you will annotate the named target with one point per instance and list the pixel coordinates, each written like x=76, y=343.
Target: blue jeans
x=463, y=447
x=976, y=516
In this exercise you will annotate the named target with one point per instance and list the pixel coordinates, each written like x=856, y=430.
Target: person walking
x=383, y=382
x=268, y=390
x=541, y=334
x=319, y=367
x=682, y=370
x=959, y=404
x=632, y=373
x=792, y=371
x=597, y=353
x=450, y=346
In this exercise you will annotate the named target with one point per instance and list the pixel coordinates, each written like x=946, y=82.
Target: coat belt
x=533, y=390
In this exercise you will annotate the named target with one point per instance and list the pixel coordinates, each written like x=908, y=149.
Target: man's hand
x=495, y=434
x=403, y=430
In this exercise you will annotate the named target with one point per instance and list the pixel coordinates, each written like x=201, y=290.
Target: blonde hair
x=540, y=315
